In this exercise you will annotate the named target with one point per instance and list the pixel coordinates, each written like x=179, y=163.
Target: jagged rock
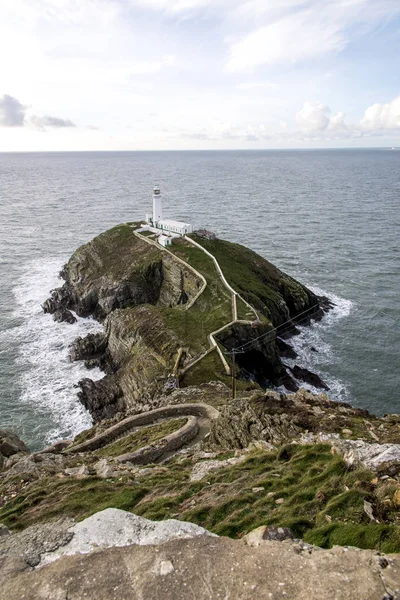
x=308, y=377
x=117, y=270
x=11, y=444
x=302, y=417
x=285, y=349
x=92, y=345
x=122, y=280
x=62, y=315
x=261, y=361
x=102, y=398
x=384, y=458
x=34, y=465
x=266, y=533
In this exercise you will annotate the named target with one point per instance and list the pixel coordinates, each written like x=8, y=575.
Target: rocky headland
x=200, y=427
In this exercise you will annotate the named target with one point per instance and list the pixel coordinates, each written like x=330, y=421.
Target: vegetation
x=305, y=488
x=107, y=260
x=257, y=280
x=142, y=437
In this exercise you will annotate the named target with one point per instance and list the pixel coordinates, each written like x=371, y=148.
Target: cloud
x=316, y=117
x=293, y=38
x=313, y=117
x=294, y=31
x=382, y=116
x=47, y=121
x=12, y=112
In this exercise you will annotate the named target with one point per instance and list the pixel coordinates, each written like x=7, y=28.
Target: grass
x=142, y=437
x=116, y=254
x=322, y=498
x=213, y=308
x=257, y=280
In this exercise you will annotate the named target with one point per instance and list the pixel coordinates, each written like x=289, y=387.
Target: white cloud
x=12, y=112
x=313, y=117
x=336, y=123
x=382, y=116
x=294, y=38
x=316, y=117
x=298, y=30
x=42, y=122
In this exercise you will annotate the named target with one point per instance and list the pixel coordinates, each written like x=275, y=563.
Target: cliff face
x=119, y=270
x=142, y=293
x=276, y=295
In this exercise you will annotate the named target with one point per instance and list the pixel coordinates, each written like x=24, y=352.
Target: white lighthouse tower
x=167, y=228
x=157, y=205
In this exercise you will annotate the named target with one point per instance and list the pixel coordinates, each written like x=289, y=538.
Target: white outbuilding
x=165, y=240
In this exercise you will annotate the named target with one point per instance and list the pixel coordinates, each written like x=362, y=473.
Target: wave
x=47, y=378
x=314, y=351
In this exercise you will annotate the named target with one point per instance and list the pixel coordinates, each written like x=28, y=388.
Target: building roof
x=173, y=223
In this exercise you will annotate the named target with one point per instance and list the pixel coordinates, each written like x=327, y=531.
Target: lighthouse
x=165, y=227
x=157, y=205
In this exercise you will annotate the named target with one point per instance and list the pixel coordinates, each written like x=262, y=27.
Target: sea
x=329, y=218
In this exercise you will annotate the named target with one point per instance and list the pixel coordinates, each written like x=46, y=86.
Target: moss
x=142, y=437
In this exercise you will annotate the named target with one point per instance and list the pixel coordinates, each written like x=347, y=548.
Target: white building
x=165, y=240
x=167, y=226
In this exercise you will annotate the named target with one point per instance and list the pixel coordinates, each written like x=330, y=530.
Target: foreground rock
x=45, y=543
x=207, y=568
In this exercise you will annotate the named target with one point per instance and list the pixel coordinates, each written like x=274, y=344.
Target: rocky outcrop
x=45, y=543
x=278, y=418
x=118, y=270
x=308, y=377
x=200, y=567
x=257, y=354
x=383, y=458
x=10, y=444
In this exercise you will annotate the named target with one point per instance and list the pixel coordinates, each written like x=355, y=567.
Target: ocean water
x=330, y=218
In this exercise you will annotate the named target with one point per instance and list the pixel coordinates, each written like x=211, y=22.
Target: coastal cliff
x=270, y=465
x=158, y=304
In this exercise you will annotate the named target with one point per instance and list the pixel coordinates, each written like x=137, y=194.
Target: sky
x=198, y=74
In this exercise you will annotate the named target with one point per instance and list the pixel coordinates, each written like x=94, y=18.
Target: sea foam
x=47, y=377
x=314, y=353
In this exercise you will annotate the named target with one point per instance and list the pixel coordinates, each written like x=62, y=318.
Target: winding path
x=196, y=427
x=211, y=336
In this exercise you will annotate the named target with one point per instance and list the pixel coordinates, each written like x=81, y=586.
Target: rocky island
x=200, y=429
